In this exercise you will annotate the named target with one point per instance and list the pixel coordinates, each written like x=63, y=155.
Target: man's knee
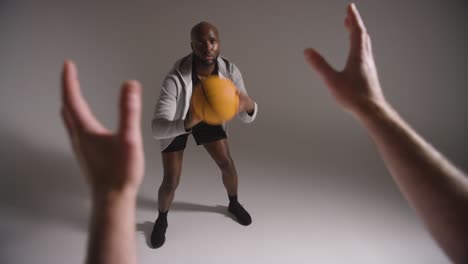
x=225, y=164
x=170, y=184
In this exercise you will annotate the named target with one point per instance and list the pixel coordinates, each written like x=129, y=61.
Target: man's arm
x=113, y=165
x=248, y=108
x=433, y=186
x=112, y=229
x=163, y=124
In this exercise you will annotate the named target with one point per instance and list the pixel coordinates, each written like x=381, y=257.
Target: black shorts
x=202, y=133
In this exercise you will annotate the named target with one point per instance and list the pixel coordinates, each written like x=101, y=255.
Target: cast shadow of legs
x=147, y=227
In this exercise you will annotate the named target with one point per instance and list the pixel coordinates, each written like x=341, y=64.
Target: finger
x=130, y=111
x=73, y=100
x=358, y=33
x=347, y=23
x=71, y=129
x=317, y=62
x=355, y=19
x=68, y=121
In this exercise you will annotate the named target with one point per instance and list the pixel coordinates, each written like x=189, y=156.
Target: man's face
x=205, y=45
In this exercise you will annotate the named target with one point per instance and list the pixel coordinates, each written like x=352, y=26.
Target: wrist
x=111, y=227
x=251, y=107
x=373, y=109
x=187, y=125
x=248, y=107
x=107, y=197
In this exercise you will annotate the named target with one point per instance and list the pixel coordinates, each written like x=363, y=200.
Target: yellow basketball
x=215, y=100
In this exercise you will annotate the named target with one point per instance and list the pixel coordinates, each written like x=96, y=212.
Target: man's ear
x=191, y=45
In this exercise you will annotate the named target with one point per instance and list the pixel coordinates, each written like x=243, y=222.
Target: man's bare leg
x=172, y=163
x=219, y=151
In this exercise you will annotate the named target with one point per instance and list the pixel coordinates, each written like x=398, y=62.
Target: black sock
x=233, y=199
x=162, y=217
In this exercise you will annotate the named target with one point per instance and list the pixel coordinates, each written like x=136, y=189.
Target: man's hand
x=112, y=162
x=356, y=87
x=192, y=119
x=246, y=104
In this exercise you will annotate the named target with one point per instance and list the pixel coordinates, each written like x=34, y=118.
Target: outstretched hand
x=431, y=184
x=357, y=86
x=111, y=162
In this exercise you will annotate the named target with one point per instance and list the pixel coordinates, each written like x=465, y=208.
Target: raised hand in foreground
x=432, y=185
x=113, y=164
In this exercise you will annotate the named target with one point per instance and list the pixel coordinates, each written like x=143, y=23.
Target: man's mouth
x=209, y=57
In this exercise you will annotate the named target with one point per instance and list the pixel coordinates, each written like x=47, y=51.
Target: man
x=174, y=120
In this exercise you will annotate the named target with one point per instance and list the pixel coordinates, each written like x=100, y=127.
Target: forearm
x=163, y=128
x=112, y=229
x=431, y=184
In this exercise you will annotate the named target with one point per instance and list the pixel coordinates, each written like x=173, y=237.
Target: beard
x=205, y=62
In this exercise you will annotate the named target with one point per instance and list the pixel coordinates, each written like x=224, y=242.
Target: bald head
x=202, y=28
x=205, y=43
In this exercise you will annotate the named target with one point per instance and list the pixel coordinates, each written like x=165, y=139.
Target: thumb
x=130, y=111
x=317, y=62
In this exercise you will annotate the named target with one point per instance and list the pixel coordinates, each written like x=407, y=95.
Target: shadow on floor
x=41, y=184
x=147, y=227
x=146, y=203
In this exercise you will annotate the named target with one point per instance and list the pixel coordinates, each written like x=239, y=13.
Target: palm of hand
x=109, y=163
x=357, y=84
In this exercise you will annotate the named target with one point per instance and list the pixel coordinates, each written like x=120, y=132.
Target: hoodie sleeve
x=239, y=83
x=163, y=124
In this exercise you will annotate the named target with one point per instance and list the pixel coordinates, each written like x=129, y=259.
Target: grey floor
x=304, y=209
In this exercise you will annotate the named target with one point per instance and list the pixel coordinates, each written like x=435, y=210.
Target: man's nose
x=207, y=46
